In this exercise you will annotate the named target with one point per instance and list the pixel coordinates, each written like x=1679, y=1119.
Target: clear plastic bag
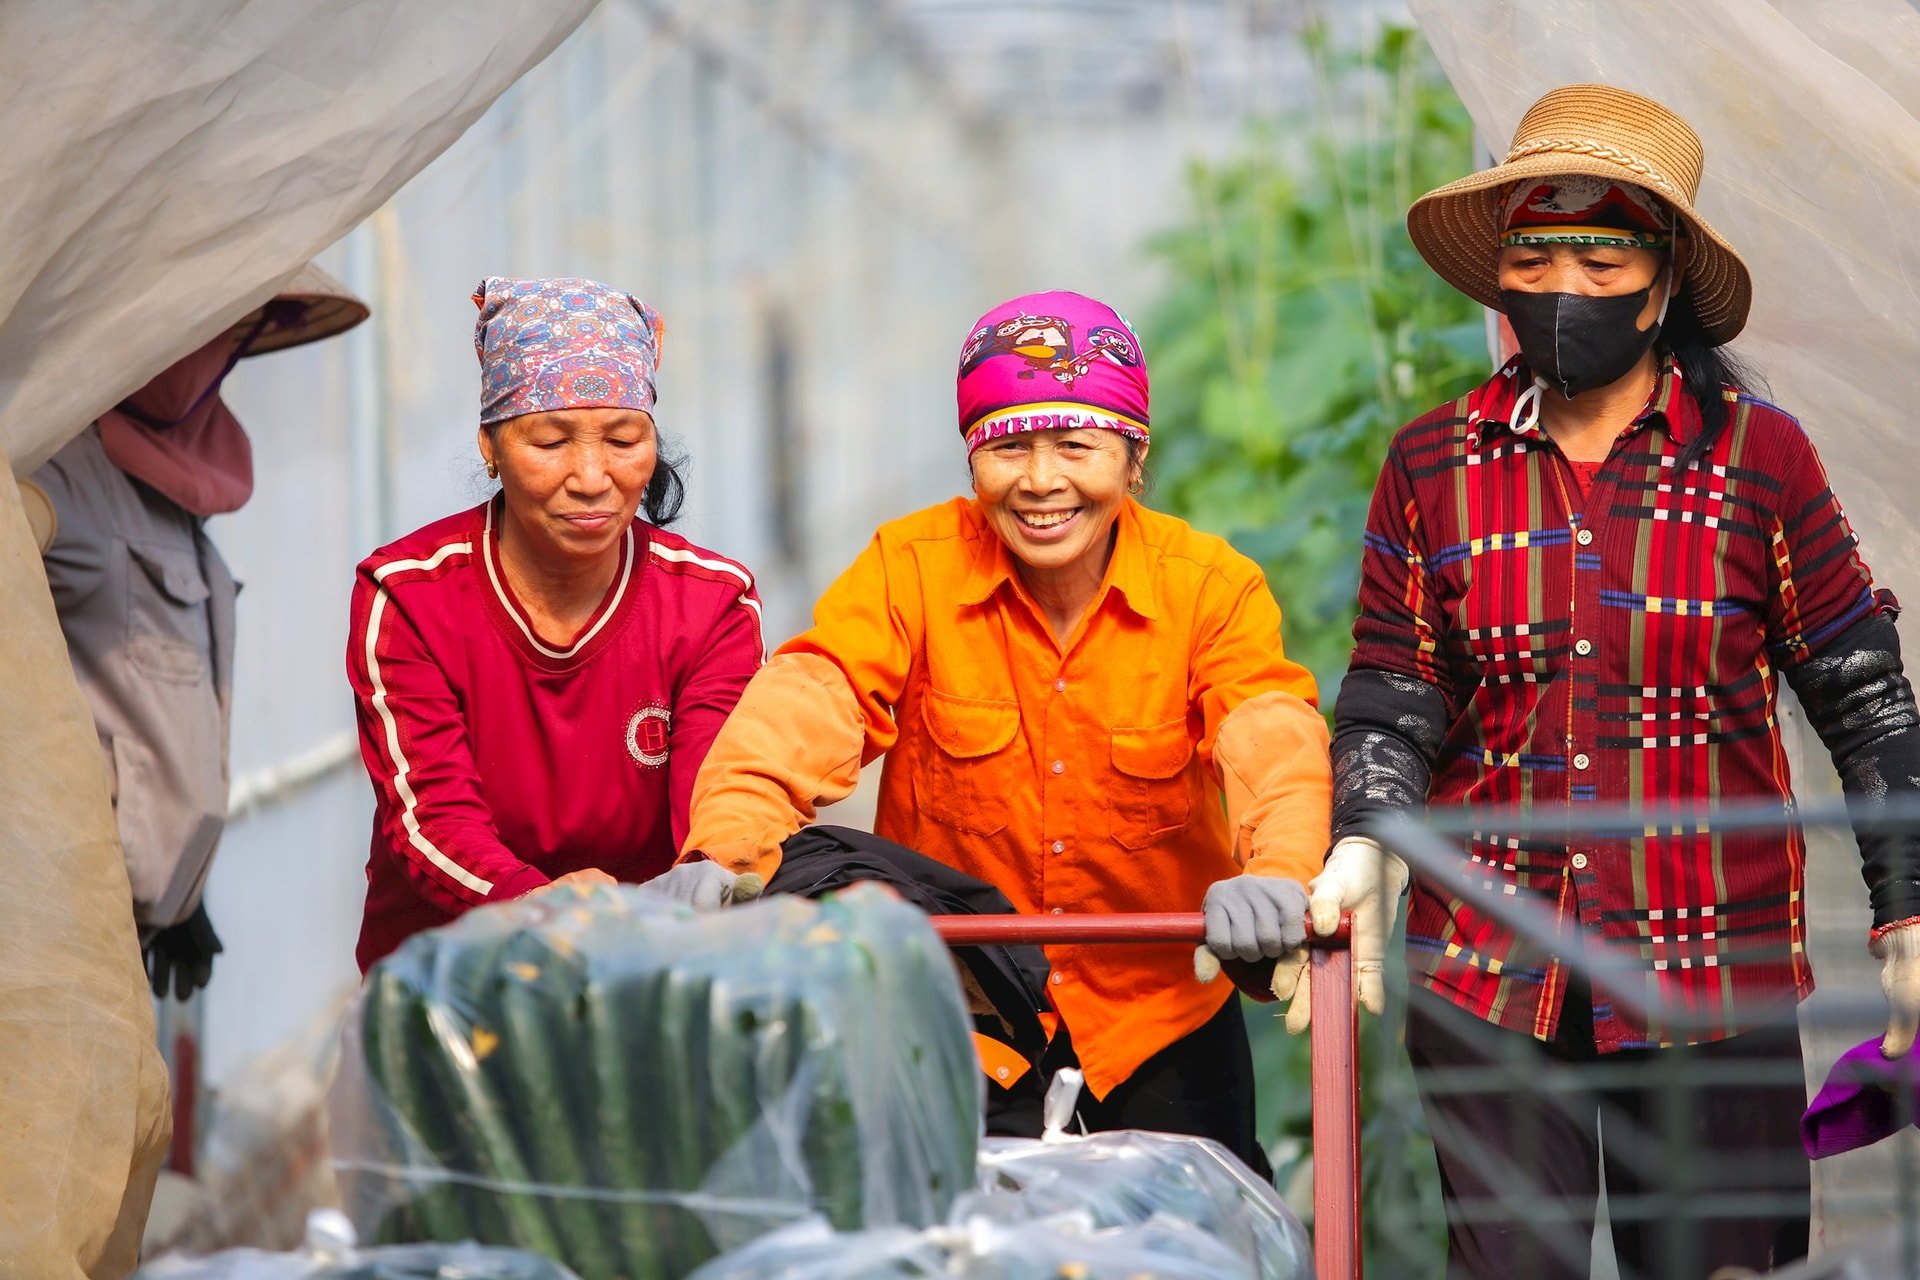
x=330, y=1254
x=613, y=1081
x=1127, y=1178
x=393, y=1262
x=1068, y=1246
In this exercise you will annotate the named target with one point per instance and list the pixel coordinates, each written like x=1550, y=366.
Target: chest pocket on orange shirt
x=1149, y=798
x=966, y=777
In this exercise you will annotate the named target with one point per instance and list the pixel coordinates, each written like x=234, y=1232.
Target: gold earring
x=1137, y=487
x=493, y=469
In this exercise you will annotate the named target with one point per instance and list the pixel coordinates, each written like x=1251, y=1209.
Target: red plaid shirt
x=1622, y=648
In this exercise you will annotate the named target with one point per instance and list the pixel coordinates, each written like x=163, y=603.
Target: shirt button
x=1060, y=766
x=1001, y=1073
x=1581, y=762
x=1056, y=979
x=1579, y=862
x=1059, y=686
x=1059, y=846
x=1584, y=537
x=1059, y=911
x=1581, y=647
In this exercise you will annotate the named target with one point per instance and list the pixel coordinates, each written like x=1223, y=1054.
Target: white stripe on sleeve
x=409, y=802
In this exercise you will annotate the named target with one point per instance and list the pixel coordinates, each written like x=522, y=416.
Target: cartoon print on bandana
x=1577, y=209
x=647, y=735
x=1045, y=343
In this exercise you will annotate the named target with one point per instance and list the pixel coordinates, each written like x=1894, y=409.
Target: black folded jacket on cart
x=821, y=859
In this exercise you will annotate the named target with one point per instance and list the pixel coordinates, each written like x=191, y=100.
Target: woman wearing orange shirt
x=1066, y=685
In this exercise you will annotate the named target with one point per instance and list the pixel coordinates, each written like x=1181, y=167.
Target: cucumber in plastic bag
x=613, y=1081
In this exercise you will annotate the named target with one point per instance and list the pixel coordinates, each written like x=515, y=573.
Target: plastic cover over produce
x=1065, y=1248
x=615, y=1082
x=395, y=1262
x=1130, y=1178
x=1126, y=1205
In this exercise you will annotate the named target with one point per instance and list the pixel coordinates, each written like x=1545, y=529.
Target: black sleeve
x=1857, y=698
x=1387, y=730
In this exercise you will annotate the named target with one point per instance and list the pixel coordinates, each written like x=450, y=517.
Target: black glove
x=182, y=955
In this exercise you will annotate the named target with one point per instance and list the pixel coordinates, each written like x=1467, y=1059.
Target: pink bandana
x=1051, y=362
x=563, y=344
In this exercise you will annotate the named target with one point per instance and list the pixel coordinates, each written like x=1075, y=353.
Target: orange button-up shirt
x=1073, y=775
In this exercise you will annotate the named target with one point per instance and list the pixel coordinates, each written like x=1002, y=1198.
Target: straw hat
x=313, y=305
x=1596, y=130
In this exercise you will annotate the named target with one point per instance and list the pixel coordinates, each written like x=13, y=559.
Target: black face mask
x=1576, y=342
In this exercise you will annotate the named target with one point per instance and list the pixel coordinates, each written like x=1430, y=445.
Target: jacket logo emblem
x=647, y=735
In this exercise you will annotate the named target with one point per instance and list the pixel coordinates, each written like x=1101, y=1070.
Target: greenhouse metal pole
x=1335, y=1078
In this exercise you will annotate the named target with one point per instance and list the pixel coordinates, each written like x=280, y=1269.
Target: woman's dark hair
x=1706, y=370
x=666, y=492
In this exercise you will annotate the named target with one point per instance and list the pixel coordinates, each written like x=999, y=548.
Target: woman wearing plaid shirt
x=1582, y=584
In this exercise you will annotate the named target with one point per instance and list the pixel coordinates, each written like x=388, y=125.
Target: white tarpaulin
x=1808, y=112
x=166, y=166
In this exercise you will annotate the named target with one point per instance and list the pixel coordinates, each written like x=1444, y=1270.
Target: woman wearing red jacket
x=539, y=678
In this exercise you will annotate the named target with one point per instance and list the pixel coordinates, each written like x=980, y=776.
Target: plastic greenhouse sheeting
x=168, y=166
x=616, y=1082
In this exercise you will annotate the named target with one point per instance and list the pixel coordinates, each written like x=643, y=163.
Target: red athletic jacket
x=499, y=760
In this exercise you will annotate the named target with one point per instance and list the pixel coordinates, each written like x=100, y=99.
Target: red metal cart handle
x=1062, y=929
x=1335, y=1049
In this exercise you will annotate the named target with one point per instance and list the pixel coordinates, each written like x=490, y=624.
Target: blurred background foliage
x=1298, y=330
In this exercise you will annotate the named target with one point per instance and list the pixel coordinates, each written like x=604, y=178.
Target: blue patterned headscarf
x=563, y=344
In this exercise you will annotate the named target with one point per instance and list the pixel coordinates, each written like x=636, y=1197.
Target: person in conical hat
x=146, y=604
x=1583, y=585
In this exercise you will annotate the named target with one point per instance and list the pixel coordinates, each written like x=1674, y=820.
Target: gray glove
x=1253, y=917
x=705, y=885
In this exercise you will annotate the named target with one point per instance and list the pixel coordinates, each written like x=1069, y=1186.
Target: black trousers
x=1702, y=1155
x=1201, y=1084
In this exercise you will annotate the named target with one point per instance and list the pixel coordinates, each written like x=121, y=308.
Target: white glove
x=1362, y=878
x=1899, y=953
